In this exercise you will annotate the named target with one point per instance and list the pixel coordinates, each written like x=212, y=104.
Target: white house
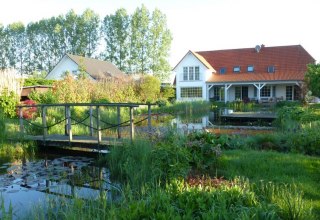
x=260, y=73
x=95, y=69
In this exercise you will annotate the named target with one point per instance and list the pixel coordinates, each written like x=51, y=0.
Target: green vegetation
x=135, y=43
x=166, y=179
x=312, y=78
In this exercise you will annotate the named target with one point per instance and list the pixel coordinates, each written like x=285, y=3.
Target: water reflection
x=26, y=182
x=220, y=118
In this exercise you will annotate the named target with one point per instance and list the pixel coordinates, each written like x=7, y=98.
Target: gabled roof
x=200, y=58
x=97, y=69
x=290, y=63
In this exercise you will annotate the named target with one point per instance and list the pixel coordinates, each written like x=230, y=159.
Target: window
x=265, y=91
x=196, y=73
x=191, y=92
x=288, y=92
x=237, y=94
x=185, y=73
x=271, y=69
x=236, y=69
x=223, y=70
x=218, y=93
x=250, y=69
x=191, y=73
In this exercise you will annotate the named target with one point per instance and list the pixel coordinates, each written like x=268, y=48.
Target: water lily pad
x=13, y=191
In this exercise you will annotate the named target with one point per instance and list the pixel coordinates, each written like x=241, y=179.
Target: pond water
x=29, y=181
x=223, y=119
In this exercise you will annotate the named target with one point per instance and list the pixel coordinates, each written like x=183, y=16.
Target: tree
x=160, y=40
x=17, y=45
x=140, y=43
x=115, y=30
x=3, y=48
x=312, y=79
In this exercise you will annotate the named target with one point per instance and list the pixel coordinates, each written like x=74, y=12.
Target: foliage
x=242, y=106
x=37, y=81
x=8, y=102
x=39, y=45
x=28, y=112
x=149, y=88
x=312, y=78
x=116, y=34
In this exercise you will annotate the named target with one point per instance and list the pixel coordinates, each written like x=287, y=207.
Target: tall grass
x=299, y=172
x=10, y=81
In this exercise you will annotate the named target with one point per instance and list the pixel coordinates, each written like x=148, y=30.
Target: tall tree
x=115, y=30
x=17, y=45
x=3, y=48
x=140, y=41
x=89, y=28
x=160, y=40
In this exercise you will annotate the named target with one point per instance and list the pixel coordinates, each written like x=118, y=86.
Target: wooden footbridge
x=95, y=119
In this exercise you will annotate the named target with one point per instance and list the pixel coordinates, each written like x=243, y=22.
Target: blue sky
x=200, y=24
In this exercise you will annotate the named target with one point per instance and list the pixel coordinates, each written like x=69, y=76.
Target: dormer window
x=236, y=69
x=250, y=68
x=271, y=69
x=223, y=70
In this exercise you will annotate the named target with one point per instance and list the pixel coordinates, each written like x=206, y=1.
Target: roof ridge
x=247, y=48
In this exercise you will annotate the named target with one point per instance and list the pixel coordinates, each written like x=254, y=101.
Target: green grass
x=257, y=166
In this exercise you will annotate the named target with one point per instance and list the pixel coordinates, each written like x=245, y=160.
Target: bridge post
x=21, y=120
x=44, y=122
x=69, y=129
x=91, y=121
x=98, y=124
x=149, y=117
x=131, y=124
x=119, y=121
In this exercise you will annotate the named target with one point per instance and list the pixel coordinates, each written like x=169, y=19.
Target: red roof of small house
x=290, y=63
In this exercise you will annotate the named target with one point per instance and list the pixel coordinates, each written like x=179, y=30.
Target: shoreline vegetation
x=204, y=175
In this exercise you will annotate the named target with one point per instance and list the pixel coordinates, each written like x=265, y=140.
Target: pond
x=32, y=180
x=224, y=118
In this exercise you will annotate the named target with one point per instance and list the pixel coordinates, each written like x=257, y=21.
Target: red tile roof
x=290, y=63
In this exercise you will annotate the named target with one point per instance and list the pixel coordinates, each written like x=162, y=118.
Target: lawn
x=280, y=168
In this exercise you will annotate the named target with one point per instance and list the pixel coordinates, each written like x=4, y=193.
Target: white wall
x=191, y=60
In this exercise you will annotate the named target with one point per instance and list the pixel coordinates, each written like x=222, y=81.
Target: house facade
x=94, y=69
x=260, y=73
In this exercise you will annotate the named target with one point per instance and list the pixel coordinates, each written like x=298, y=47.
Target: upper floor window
x=185, y=73
x=236, y=69
x=191, y=73
x=223, y=70
x=271, y=69
x=250, y=68
x=196, y=73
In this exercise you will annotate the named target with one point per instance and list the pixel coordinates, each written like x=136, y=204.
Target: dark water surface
x=27, y=182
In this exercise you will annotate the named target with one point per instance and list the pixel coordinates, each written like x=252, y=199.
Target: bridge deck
x=87, y=142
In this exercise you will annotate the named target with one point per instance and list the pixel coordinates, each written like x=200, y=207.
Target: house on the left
x=94, y=69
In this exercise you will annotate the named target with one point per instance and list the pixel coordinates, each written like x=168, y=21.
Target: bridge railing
x=97, y=118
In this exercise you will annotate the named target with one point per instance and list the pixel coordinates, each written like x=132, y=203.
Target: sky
x=199, y=25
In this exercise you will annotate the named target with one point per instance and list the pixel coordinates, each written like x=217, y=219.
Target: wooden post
x=91, y=121
x=69, y=128
x=44, y=122
x=21, y=120
x=149, y=117
x=119, y=121
x=66, y=121
x=131, y=124
x=98, y=125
